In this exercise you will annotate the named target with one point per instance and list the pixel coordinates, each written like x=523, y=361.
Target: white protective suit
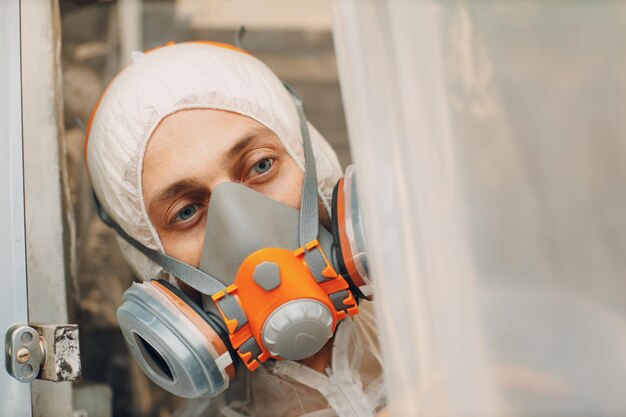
x=199, y=75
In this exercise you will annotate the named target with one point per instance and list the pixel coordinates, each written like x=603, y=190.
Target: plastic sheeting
x=490, y=145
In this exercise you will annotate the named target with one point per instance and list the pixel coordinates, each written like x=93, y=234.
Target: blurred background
x=293, y=38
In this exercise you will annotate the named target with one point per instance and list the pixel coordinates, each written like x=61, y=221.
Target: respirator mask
x=274, y=285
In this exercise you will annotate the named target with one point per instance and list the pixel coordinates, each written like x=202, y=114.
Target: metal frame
x=49, y=233
x=15, y=397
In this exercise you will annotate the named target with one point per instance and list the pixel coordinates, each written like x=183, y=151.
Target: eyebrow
x=189, y=184
x=175, y=189
x=242, y=143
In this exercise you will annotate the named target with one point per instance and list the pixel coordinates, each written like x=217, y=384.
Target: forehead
x=197, y=134
x=196, y=143
x=208, y=127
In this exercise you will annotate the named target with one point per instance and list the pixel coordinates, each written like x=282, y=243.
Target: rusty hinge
x=44, y=351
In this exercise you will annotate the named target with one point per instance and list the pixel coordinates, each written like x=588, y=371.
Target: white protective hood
x=194, y=75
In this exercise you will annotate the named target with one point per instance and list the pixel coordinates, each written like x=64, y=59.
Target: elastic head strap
x=309, y=215
x=309, y=212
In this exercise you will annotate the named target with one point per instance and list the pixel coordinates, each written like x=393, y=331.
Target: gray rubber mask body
x=241, y=221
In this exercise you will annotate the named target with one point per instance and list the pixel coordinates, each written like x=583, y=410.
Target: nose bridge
x=213, y=183
x=219, y=182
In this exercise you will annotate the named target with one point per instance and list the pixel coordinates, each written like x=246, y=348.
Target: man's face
x=190, y=153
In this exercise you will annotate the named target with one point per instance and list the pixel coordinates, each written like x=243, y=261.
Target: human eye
x=186, y=213
x=261, y=167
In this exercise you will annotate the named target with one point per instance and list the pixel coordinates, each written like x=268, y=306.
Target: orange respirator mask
x=274, y=285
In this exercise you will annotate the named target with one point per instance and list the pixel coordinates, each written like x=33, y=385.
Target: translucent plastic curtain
x=490, y=144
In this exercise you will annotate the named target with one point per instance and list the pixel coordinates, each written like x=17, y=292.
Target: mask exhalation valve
x=298, y=329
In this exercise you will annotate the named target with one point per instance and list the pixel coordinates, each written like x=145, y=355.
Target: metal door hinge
x=44, y=351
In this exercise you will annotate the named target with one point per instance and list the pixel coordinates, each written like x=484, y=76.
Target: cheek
x=185, y=246
x=286, y=187
x=288, y=190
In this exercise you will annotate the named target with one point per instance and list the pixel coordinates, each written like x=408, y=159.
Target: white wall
x=311, y=15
